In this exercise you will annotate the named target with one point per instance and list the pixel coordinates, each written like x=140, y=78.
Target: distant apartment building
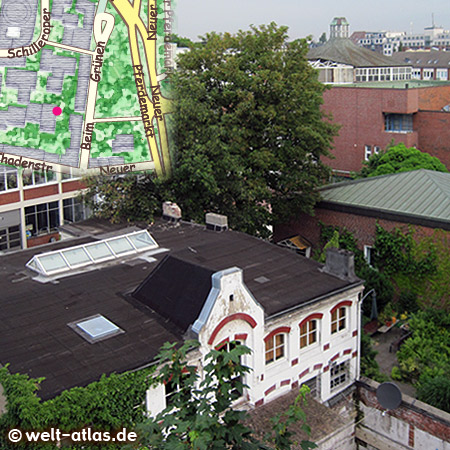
x=389, y=42
x=33, y=205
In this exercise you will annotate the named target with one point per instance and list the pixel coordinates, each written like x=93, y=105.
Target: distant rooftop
x=343, y=50
x=339, y=21
x=431, y=58
x=420, y=194
x=396, y=84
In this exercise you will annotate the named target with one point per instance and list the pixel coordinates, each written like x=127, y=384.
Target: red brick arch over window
x=316, y=316
x=341, y=305
x=277, y=331
x=237, y=316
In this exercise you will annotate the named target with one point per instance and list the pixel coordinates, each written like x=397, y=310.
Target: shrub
x=436, y=392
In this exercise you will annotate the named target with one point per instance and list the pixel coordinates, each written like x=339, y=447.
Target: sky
x=197, y=17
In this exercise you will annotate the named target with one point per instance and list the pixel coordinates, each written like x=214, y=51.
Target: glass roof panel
x=98, y=327
x=76, y=256
x=142, y=240
x=99, y=251
x=52, y=262
x=120, y=245
x=96, y=252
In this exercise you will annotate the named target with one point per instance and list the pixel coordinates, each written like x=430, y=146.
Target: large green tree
x=399, y=158
x=201, y=416
x=249, y=131
x=248, y=134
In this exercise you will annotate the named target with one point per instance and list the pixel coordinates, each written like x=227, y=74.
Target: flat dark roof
x=34, y=333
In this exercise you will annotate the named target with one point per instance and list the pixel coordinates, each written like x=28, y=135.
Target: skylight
x=72, y=258
x=95, y=328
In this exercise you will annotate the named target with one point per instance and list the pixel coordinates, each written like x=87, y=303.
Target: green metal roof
x=420, y=193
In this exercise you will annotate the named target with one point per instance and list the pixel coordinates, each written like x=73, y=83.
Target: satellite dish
x=389, y=395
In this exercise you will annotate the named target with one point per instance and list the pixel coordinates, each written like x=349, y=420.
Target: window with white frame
x=339, y=375
x=36, y=178
x=442, y=74
x=367, y=152
x=275, y=348
x=368, y=254
x=376, y=150
x=428, y=74
x=171, y=388
x=416, y=73
x=8, y=178
x=309, y=333
x=338, y=319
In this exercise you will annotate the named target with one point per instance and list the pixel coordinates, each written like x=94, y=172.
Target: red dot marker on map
x=57, y=111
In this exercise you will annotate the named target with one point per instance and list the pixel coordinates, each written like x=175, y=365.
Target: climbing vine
x=113, y=402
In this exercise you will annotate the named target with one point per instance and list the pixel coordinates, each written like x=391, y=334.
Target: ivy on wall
x=407, y=266
x=113, y=402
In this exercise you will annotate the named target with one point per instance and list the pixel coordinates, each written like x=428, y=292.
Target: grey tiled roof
x=346, y=52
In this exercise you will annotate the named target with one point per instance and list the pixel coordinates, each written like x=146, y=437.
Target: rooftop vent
x=216, y=222
x=171, y=212
x=341, y=264
x=96, y=252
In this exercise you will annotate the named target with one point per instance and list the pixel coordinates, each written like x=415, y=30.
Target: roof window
x=72, y=258
x=95, y=328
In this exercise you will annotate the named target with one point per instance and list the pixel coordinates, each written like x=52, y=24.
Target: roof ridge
x=366, y=179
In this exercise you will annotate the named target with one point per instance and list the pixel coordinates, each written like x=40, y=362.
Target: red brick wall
x=9, y=197
x=434, y=133
x=40, y=240
x=69, y=186
x=434, y=98
x=362, y=227
x=415, y=417
x=360, y=112
x=43, y=191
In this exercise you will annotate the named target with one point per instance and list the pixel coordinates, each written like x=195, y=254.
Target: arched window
x=339, y=316
x=276, y=342
x=309, y=330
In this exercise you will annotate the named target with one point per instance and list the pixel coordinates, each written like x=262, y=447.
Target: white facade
x=232, y=313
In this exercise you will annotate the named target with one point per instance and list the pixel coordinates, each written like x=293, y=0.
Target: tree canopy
x=248, y=128
x=399, y=158
x=248, y=134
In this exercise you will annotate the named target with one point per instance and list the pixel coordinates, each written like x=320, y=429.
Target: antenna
x=432, y=19
x=389, y=395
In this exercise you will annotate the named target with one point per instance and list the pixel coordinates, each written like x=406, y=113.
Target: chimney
x=171, y=212
x=341, y=264
x=216, y=222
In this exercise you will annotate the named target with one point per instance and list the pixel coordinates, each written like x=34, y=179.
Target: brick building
x=420, y=198
x=371, y=115
x=33, y=205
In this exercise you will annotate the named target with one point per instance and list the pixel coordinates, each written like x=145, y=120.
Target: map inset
x=85, y=85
